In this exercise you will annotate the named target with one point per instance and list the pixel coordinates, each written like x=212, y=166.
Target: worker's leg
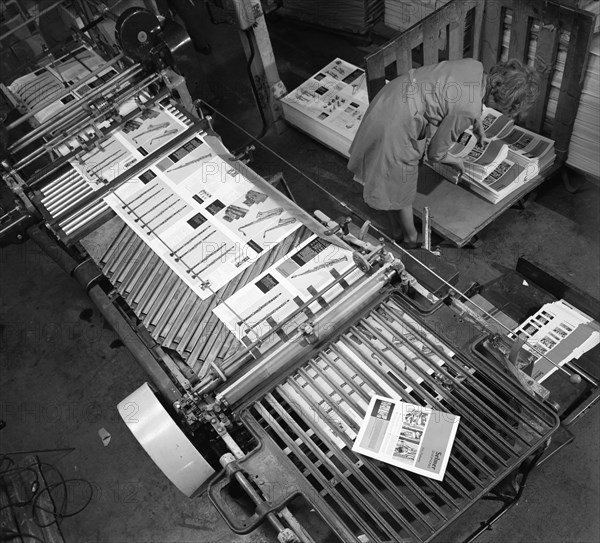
x=396, y=231
x=404, y=223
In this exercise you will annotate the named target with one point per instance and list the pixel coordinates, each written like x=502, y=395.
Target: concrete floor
x=63, y=371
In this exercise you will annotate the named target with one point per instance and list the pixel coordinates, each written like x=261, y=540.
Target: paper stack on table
x=330, y=105
x=584, y=148
x=512, y=157
x=560, y=332
x=533, y=151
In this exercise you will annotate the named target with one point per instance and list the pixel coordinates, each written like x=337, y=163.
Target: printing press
x=118, y=174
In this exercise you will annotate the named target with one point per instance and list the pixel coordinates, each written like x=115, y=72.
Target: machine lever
x=265, y=510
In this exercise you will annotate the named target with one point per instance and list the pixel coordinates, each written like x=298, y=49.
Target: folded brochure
x=411, y=437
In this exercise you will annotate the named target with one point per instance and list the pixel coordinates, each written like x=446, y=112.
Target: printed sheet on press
x=411, y=437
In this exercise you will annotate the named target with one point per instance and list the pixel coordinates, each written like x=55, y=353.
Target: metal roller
x=166, y=310
x=142, y=279
x=129, y=284
x=124, y=238
x=173, y=327
x=288, y=353
x=77, y=224
x=148, y=305
x=133, y=265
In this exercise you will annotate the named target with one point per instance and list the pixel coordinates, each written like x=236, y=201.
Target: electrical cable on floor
x=9, y=535
x=462, y=295
x=51, y=490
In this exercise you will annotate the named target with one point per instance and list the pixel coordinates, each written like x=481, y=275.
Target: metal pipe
x=67, y=198
x=105, y=11
x=70, y=183
x=140, y=352
x=426, y=229
x=58, y=184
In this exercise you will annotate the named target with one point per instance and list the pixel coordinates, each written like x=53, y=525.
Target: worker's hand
x=479, y=132
x=460, y=166
x=454, y=161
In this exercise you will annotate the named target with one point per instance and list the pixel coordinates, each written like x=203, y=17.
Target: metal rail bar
x=485, y=449
x=434, y=402
x=80, y=83
x=80, y=121
x=338, y=476
x=316, y=473
x=451, y=363
x=73, y=108
x=384, y=376
x=391, y=489
x=428, y=379
x=375, y=469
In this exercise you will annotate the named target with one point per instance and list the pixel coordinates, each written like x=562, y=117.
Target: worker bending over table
x=426, y=110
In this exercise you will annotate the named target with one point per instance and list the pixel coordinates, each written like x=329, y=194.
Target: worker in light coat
x=428, y=109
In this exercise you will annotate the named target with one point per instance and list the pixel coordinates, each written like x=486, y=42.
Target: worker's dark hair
x=513, y=86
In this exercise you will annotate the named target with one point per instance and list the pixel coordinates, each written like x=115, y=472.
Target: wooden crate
x=451, y=32
x=469, y=28
x=553, y=19
x=402, y=14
